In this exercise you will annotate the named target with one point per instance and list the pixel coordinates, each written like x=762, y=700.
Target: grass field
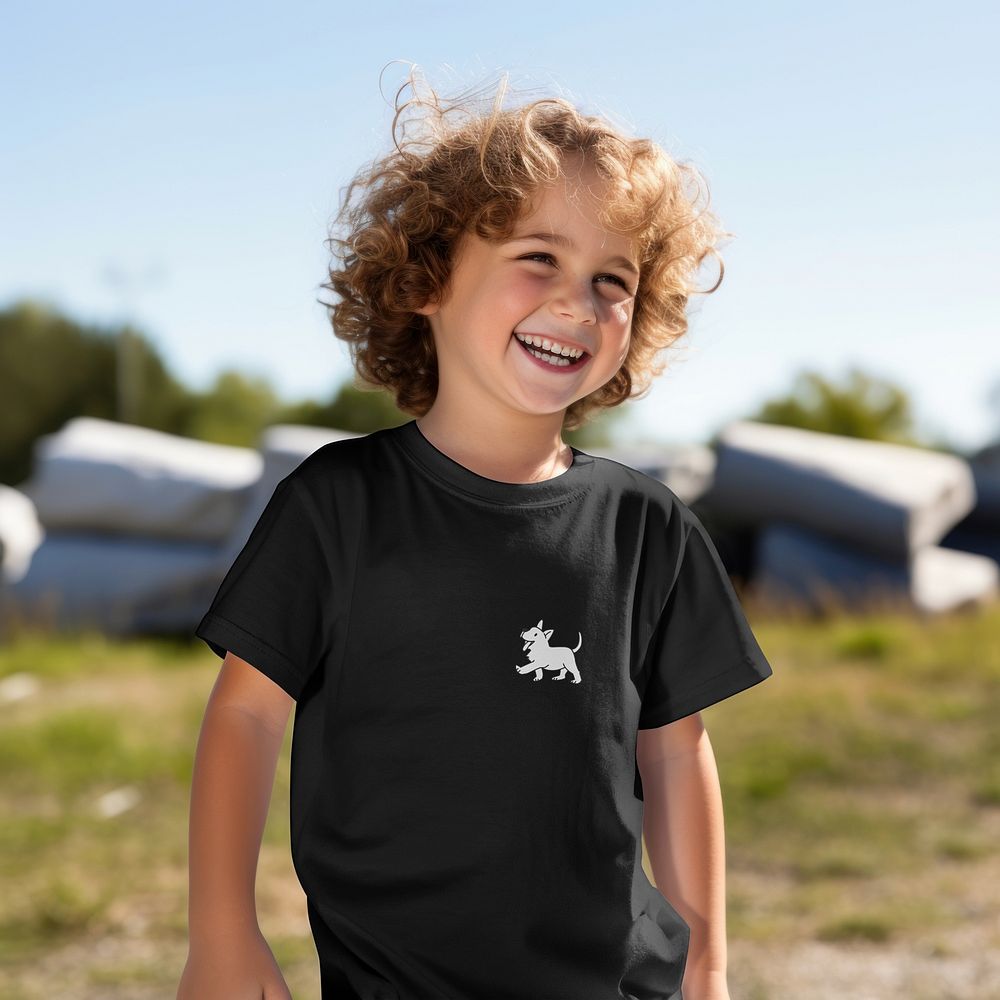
x=861, y=786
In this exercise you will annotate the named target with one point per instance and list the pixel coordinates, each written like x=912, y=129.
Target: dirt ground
x=958, y=963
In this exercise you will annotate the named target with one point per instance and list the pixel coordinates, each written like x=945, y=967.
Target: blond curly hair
x=474, y=170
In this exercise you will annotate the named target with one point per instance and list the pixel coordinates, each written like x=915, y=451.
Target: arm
x=235, y=763
x=684, y=833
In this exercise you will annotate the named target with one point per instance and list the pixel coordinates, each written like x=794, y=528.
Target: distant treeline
x=53, y=368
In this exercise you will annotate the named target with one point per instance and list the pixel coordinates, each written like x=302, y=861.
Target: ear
x=431, y=306
x=539, y=625
x=428, y=308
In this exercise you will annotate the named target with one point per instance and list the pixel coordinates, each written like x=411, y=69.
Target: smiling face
x=560, y=283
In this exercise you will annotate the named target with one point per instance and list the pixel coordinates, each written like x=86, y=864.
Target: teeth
x=549, y=360
x=550, y=345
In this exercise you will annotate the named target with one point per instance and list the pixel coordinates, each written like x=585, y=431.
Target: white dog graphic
x=542, y=656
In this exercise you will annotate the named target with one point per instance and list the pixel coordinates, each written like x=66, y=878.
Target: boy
x=497, y=645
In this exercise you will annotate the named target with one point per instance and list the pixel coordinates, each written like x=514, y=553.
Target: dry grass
x=861, y=784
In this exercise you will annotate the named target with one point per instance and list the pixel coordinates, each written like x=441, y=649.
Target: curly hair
x=404, y=216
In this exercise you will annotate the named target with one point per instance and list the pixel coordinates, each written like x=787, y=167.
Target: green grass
x=861, y=787
x=862, y=777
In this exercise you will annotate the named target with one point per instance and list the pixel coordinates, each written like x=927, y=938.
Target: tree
x=53, y=368
x=362, y=410
x=234, y=410
x=863, y=406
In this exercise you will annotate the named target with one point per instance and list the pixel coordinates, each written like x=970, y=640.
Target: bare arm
x=683, y=827
x=235, y=763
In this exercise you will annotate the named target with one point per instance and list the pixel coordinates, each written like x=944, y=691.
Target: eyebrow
x=565, y=241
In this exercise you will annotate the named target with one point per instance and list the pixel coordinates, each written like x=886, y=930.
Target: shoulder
x=340, y=456
x=334, y=475
x=661, y=503
x=662, y=522
x=340, y=460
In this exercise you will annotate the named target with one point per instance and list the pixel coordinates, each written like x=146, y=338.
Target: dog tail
x=579, y=642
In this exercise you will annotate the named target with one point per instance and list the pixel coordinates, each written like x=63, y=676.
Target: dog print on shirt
x=542, y=656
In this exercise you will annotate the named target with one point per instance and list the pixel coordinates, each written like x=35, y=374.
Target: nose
x=575, y=302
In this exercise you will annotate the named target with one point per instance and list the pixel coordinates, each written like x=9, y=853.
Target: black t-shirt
x=471, y=660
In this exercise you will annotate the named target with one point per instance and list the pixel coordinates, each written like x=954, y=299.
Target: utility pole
x=128, y=358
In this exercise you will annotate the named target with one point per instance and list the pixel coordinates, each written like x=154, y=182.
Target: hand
x=243, y=968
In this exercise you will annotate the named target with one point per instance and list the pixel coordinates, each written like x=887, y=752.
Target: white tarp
x=886, y=498
x=800, y=566
x=100, y=475
x=114, y=583
x=135, y=529
x=20, y=533
x=118, y=581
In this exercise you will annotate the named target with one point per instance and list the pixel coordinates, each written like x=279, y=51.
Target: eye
x=617, y=280
x=531, y=256
x=614, y=277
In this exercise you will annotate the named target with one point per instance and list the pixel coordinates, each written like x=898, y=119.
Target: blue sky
x=197, y=151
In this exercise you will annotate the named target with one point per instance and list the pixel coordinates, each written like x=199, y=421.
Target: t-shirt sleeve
x=270, y=608
x=702, y=649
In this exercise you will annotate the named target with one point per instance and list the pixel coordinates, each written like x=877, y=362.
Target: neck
x=524, y=450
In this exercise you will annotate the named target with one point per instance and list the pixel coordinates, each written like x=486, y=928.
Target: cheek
x=524, y=285
x=620, y=332
x=621, y=312
x=497, y=292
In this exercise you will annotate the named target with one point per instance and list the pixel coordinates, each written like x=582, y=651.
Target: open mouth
x=552, y=361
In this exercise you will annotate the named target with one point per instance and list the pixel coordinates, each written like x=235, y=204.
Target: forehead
x=572, y=207
x=577, y=195
x=578, y=198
